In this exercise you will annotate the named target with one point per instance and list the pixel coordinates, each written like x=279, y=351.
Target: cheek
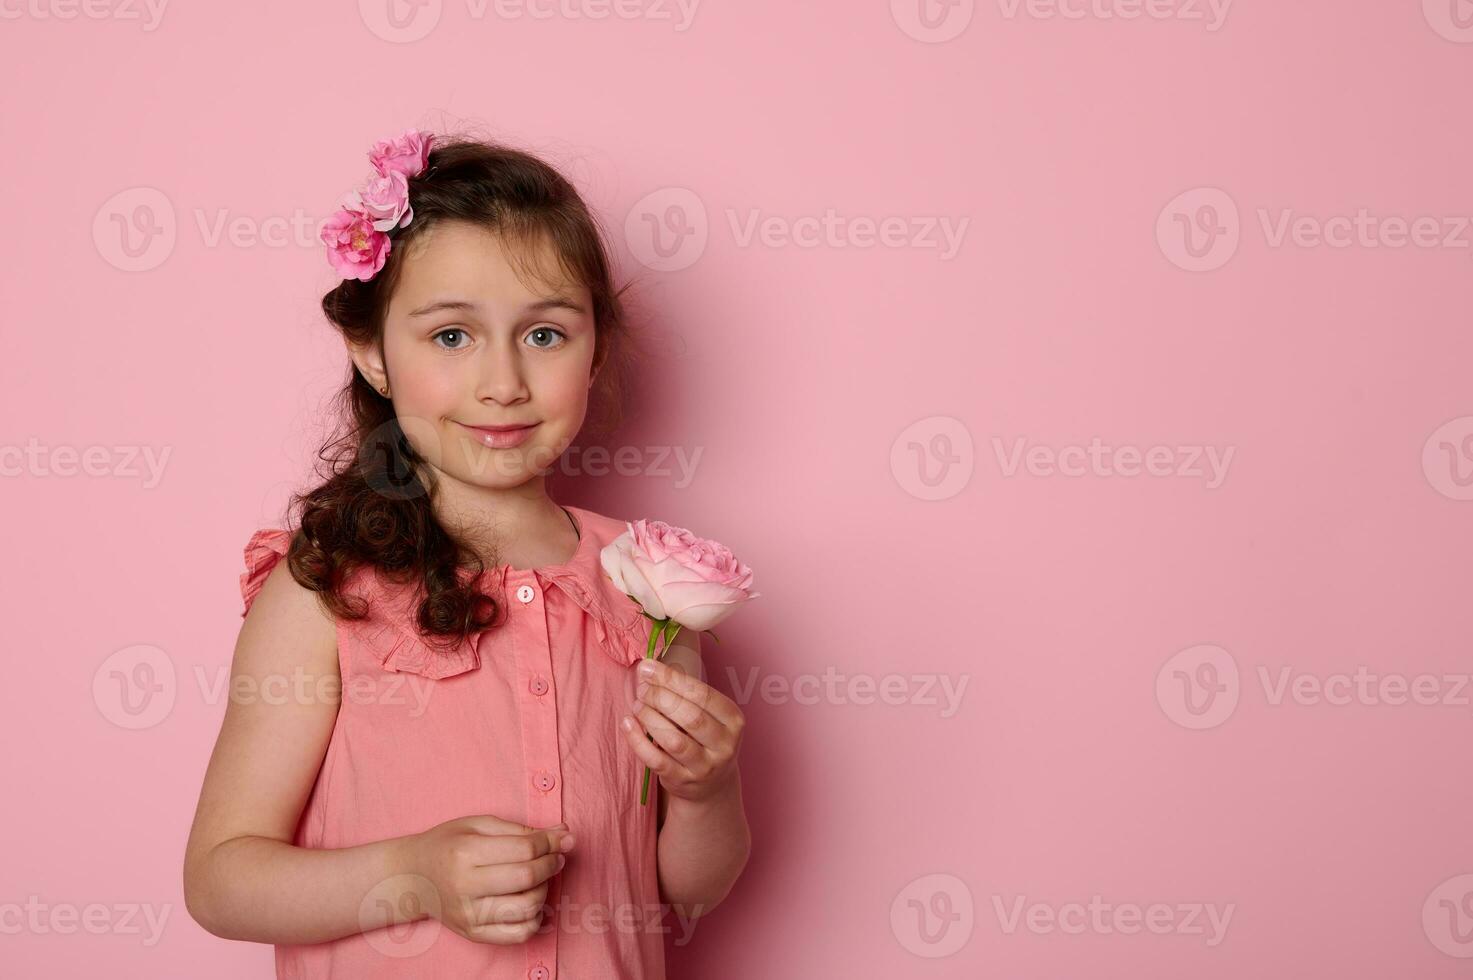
x=564, y=395
x=424, y=383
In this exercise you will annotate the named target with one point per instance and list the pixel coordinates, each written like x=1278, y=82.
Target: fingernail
x=561, y=861
x=647, y=667
x=635, y=705
x=568, y=841
x=641, y=688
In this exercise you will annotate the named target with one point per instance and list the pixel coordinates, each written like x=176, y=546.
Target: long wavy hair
x=374, y=506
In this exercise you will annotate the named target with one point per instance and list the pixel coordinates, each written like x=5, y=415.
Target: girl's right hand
x=490, y=875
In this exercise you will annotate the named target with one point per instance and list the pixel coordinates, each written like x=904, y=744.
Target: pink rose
x=407, y=153
x=677, y=576
x=385, y=200
x=355, y=248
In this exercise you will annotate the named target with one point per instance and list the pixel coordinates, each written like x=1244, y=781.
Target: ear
x=369, y=360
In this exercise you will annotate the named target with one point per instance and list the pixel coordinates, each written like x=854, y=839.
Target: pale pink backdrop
x=1156, y=715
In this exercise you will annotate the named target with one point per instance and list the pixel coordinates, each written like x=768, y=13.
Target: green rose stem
x=662, y=627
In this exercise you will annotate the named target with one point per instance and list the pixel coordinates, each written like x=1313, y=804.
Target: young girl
x=426, y=768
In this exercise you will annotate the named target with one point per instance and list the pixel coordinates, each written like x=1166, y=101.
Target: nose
x=502, y=379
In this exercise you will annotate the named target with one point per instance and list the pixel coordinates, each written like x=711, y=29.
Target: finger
x=509, y=879
x=648, y=752
x=676, y=743
x=494, y=826
x=504, y=934
x=693, y=689
x=507, y=909
x=512, y=848
x=691, y=717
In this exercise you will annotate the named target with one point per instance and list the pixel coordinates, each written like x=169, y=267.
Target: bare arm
x=704, y=839
x=243, y=878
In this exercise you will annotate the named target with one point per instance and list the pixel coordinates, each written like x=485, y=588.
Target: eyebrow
x=460, y=305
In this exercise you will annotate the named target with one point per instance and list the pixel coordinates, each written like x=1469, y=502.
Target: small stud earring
x=384, y=391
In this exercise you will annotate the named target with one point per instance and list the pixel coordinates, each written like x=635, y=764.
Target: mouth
x=500, y=436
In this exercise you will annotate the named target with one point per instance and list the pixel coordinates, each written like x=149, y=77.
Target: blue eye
x=446, y=333
x=547, y=330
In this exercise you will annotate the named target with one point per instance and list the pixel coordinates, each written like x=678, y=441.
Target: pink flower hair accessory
x=357, y=234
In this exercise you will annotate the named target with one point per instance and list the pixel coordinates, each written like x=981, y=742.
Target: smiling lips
x=501, y=436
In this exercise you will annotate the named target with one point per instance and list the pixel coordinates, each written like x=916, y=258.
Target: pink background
x=826, y=389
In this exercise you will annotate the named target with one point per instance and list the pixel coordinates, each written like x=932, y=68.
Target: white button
x=525, y=593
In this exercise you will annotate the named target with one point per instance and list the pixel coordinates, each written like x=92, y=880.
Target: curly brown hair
x=374, y=507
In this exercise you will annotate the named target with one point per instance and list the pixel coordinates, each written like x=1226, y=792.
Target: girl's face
x=467, y=343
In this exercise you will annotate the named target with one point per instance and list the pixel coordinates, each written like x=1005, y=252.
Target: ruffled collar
x=620, y=625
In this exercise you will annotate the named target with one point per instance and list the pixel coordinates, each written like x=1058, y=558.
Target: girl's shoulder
x=265, y=550
x=603, y=528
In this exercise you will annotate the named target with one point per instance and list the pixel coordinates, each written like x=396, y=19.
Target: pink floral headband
x=356, y=235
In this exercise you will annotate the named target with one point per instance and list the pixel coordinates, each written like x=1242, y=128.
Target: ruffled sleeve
x=266, y=547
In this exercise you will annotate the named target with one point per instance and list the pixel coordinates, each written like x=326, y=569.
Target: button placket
x=532, y=648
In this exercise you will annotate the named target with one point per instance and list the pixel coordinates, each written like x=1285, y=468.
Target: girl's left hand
x=697, y=731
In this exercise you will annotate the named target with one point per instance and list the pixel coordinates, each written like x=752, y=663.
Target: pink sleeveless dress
x=520, y=722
